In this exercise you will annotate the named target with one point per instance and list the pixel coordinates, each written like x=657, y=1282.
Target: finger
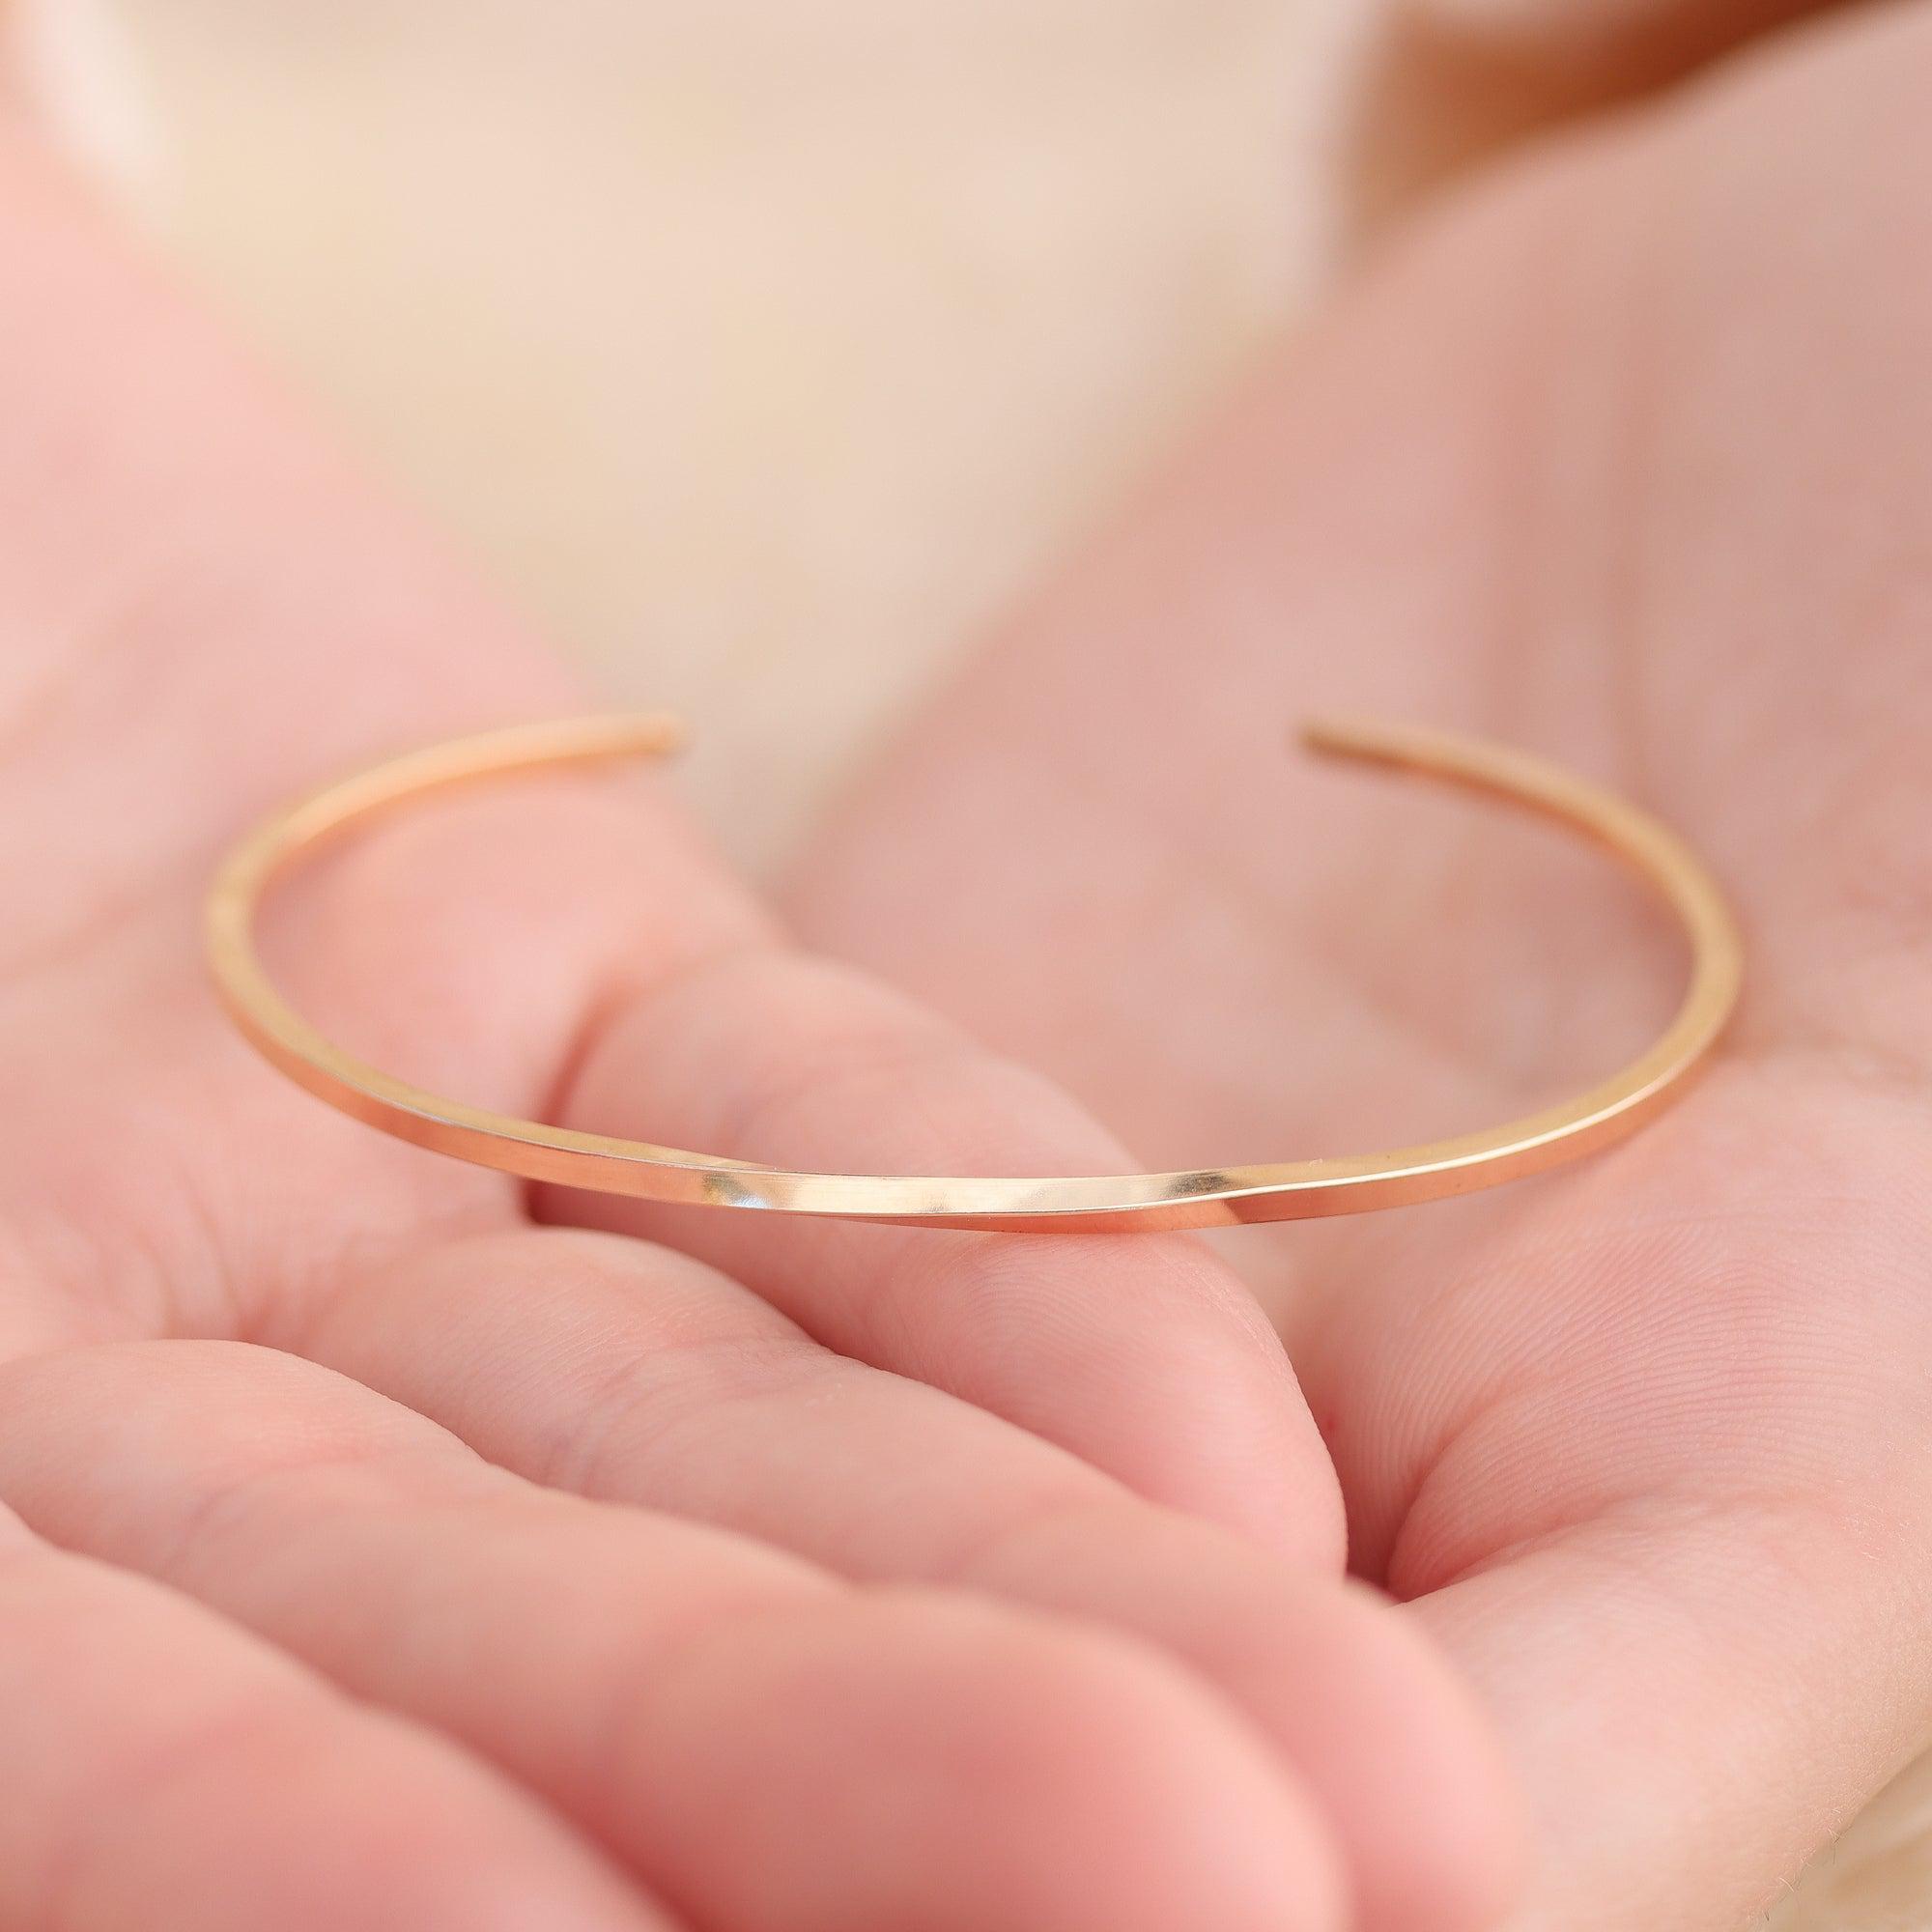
x=768, y=1750
x=163, y=1773
x=631, y=1373
x=692, y=1019
x=157, y=1178
x=1142, y=1355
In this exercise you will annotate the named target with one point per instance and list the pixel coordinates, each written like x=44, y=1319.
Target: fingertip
x=1198, y=1407
x=1415, y=1763
x=1004, y=1770
x=1142, y=1354
x=1342, y=1684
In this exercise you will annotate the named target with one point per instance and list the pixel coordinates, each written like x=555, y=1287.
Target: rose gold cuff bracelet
x=1198, y=1197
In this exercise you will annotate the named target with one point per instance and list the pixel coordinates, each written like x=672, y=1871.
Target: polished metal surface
x=1214, y=1197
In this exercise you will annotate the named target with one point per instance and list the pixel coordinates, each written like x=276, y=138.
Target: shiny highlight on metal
x=1207, y=1198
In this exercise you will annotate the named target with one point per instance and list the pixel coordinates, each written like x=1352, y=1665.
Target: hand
x=381, y=1558
x=1626, y=456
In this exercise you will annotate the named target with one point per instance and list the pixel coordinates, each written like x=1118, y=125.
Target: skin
x=378, y=1549
x=1622, y=453
x=383, y=1552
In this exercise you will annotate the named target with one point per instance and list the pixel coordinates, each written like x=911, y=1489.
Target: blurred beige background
x=761, y=351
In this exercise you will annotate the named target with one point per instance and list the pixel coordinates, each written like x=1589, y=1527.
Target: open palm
x=1626, y=456
x=375, y=1556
